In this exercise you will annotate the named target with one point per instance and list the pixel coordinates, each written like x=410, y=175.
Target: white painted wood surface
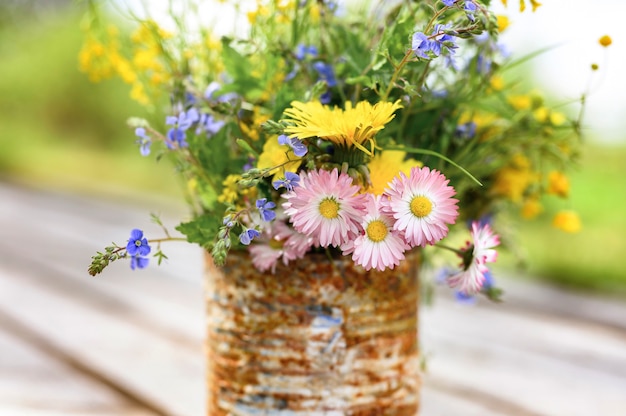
x=130, y=343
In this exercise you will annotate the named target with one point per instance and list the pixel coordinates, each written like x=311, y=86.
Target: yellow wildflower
x=535, y=4
x=605, y=40
x=503, y=22
x=558, y=184
x=138, y=93
x=278, y=158
x=557, y=118
x=385, y=166
x=354, y=126
x=531, y=208
x=512, y=181
x=231, y=193
x=520, y=102
x=567, y=221
x=541, y=114
x=497, y=83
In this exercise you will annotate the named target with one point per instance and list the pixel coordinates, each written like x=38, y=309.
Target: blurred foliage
x=59, y=129
x=593, y=258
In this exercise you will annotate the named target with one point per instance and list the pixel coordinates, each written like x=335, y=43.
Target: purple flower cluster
x=325, y=71
x=441, y=41
x=203, y=123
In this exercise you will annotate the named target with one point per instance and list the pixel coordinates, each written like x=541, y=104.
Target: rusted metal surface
x=317, y=337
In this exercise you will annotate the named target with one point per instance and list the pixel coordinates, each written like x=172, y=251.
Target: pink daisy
x=278, y=240
x=378, y=246
x=326, y=206
x=471, y=279
x=422, y=205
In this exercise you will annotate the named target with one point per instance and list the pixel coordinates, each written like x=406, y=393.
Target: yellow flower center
x=421, y=206
x=376, y=231
x=329, y=208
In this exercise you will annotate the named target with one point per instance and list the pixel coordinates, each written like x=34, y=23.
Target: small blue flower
x=299, y=148
x=466, y=131
x=139, y=262
x=144, y=141
x=265, y=208
x=440, y=40
x=209, y=124
x=248, y=235
x=302, y=51
x=448, y=3
x=291, y=180
x=325, y=73
x=420, y=45
x=326, y=98
x=137, y=244
x=211, y=94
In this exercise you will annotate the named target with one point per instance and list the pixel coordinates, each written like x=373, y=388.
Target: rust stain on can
x=318, y=337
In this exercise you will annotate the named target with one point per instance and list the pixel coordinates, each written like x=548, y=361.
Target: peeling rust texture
x=318, y=337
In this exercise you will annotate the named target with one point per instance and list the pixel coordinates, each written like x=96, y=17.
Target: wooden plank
x=147, y=366
x=533, y=363
x=34, y=383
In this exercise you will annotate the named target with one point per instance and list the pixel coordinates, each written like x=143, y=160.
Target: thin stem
x=454, y=250
x=161, y=240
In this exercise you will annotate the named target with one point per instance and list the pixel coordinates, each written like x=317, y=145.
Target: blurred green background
x=60, y=131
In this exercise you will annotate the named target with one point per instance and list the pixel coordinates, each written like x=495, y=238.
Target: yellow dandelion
x=605, y=40
x=278, y=158
x=567, y=221
x=385, y=166
x=558, y=184
x=353, y=126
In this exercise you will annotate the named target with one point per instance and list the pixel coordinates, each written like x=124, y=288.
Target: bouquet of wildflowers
x=362, y=130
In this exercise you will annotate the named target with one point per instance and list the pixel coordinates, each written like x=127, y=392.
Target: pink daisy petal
x=471, y=279
x=378, y=246
x=422, y=205
x=326, y=207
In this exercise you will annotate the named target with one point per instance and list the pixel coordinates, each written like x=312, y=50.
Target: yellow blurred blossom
x=503, y=22
x=520, y=102
x=497, y=83
x=278, y=158
x=385, y=166
x=252, y=130
x=512, y=181
x=605, y=40
x=557, y=118
x=138, y=93
x=558, y=184
x=531, y=208
x=541, y=114
x=232, y=193
x=567, y=221
x=535, y=4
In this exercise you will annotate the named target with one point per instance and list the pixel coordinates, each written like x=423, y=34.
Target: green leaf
x=201, y=230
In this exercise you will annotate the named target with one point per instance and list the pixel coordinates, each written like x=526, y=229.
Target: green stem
x=436, y=154
x=454, y=250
